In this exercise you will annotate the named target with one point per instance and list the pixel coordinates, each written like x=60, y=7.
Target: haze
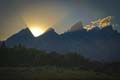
x=59, y=14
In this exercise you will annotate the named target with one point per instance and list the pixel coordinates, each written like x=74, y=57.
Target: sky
x=16, y=15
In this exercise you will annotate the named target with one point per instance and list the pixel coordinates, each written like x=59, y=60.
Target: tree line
x=21, y=56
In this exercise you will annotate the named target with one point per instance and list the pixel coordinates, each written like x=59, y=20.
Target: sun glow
x=36, y=31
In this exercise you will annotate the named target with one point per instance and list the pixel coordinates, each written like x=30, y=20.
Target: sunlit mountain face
x=100, y=23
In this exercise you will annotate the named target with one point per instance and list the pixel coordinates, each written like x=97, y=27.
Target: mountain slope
x=24, y=37
x=49, y=41
x=97, y=44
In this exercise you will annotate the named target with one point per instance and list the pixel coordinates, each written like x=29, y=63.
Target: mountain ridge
x=97, y=44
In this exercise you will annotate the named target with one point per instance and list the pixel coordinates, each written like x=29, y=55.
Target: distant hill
x=97, y=44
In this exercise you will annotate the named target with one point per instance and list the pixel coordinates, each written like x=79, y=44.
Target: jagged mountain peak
x=50, y=31
x=22, y=37
x=24, y=31
x=76, y=26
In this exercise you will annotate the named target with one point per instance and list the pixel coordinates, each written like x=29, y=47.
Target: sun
x=36, y=31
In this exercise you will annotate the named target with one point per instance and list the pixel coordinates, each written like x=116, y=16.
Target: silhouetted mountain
x=24, y=37
x=97, y=44
x=2, y=44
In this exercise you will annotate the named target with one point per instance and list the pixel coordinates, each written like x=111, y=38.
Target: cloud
x=100, y=23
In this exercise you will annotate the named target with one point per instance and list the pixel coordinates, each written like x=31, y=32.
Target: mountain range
x=96, y=44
